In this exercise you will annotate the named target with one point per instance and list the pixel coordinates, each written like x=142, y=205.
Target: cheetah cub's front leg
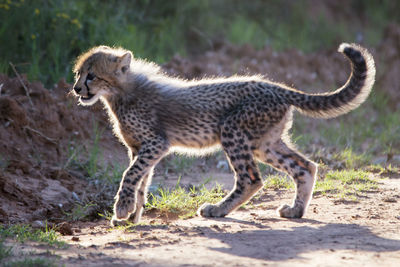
x=133, y=186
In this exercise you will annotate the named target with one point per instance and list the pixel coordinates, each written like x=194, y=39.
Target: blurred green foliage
x=42, y=38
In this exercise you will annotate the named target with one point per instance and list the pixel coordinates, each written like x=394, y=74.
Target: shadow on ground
x=286, y=244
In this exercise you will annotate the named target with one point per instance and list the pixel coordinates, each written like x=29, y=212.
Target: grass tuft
x=276, y=181
x=23, y=233
x=181, y=202
x=32, y=262
x=346, y=184
x=5, y=251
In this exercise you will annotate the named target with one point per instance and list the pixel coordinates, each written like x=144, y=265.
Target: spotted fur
x=248, y=117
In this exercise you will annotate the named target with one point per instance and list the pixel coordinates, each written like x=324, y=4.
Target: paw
x=287, y=211
x=209, y=210
x=133, y=218
x=115, y=222
x=123, y=207
x=136, y=216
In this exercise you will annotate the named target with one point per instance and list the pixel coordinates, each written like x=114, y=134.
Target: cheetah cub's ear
x=125, y=62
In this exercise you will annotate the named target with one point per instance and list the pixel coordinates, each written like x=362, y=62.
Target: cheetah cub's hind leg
x=237, y=148
x=303, y=172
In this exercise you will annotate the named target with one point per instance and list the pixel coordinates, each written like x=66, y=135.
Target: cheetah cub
x=154, y=114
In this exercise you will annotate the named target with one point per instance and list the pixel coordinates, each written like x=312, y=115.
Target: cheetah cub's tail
x=346, y=98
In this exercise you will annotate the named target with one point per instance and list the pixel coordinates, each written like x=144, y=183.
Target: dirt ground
x=38, y=127
x=333, y=233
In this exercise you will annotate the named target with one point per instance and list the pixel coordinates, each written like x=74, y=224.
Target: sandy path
x=334, y=233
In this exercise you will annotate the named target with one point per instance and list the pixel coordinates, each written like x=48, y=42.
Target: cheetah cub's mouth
x=85, y=98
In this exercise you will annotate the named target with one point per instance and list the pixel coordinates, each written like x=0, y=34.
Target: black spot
x=225, y=144
x=137, y=167
x=246, y=156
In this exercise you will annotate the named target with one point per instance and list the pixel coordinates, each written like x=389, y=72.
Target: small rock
x=65, y=229
x=38, y=224
x=75, y=238
x=390, y=200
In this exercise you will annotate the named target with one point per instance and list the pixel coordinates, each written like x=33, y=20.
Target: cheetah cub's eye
x=90, y=76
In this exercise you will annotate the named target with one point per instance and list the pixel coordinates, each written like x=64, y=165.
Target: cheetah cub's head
x=101, y=72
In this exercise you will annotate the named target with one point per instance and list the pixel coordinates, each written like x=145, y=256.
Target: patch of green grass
x=276, y=181
x=32, y=262
x=5, y=251
x=243, y=31
x=350, y=159
x=346, y=183
x=183, y=202
x=23, y=233
x=342, y=184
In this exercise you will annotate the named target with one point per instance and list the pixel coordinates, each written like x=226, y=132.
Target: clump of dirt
x=38, y=126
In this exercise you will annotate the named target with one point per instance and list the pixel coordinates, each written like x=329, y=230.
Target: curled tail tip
x=346, y=47
x=353, y=51
x=357, y=54
x=343, y=46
